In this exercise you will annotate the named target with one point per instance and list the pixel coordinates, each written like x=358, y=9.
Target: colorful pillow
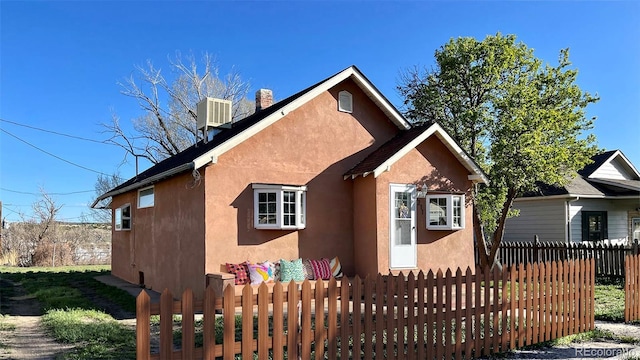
x=259, y=273
x=275, y=269
x=241, y=272
x=336, y=268
x=308, y=270
x=321, y=269
x=291, y=270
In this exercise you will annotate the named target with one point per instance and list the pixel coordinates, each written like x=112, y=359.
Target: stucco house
x=334, y=170
x=601, y=204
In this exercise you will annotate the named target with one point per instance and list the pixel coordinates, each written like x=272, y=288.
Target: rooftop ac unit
x=214, y=113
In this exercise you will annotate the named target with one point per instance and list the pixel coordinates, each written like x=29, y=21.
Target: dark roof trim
x=148, y=181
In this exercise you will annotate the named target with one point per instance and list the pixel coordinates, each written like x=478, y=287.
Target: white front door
x=402, y=215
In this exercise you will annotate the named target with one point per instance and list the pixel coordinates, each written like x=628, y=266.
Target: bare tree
x=101, y=213
x=168, y=123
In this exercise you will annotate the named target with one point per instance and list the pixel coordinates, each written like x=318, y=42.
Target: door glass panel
x=403, y=205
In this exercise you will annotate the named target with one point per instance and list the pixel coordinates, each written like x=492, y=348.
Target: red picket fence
x=461, y=315
x=632, y=288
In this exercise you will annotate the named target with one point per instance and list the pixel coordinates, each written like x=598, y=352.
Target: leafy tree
x=521, y=120
x=168, y=122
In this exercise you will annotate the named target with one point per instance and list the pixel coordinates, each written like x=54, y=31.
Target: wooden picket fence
x=632, y=288
x=434, y=316
x=609, y=259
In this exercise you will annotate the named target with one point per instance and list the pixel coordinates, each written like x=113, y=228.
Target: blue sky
x=60, y=63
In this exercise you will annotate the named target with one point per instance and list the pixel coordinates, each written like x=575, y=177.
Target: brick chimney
x=264, y=99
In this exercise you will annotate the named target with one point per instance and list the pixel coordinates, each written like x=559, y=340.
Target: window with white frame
x=146, y=197
x=123, y=217
x=345, y=101
x=279, y=206
x=445, y=212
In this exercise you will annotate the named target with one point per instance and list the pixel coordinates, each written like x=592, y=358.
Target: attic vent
x=345, y=101
x=214, y=113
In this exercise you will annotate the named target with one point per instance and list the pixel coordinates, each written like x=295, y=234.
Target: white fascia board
x=145, y=182
x=394, y=115
x=476, y=173
x=574, y=196
x=279, y=187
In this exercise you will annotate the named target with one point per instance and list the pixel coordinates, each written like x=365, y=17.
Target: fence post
x=634, y=248
x=536, y=248
x=143, y=327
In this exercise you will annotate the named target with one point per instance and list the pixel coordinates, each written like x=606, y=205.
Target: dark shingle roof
x=598, y=160
x=188, y=155
x=583, y=185
x=386, y=150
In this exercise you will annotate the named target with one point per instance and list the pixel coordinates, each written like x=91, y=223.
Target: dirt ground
x=29, y=341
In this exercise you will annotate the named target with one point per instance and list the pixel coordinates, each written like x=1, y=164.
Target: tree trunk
x=478, y=232
x=498, y=234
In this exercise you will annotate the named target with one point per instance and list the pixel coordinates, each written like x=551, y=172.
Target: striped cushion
x=336, y=268
x=321, y=269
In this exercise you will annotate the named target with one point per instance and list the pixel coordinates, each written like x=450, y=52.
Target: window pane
x=457, y=211
x=118, y=217
x=289, y=208
x=403, y=205
x=146, y=198
x=438, y=211
x=403, y=232
x=267, y=208
x=303, y=210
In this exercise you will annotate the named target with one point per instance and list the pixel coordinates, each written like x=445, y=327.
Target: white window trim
x=449, y=198
x=154, y=197
x=301, y=204
x=340, y=107
x=118, y=224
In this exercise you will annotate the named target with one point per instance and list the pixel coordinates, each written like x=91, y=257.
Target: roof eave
x=477, y=175
x=145, y=182
x=351, y=72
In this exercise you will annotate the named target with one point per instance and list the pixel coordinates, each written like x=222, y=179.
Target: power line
x=56, y=133
x=48, y=193
x=50, y=154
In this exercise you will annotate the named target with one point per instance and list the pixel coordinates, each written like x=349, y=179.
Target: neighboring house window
x=279, y=206
x=123, y=217
x=594, y=225
x=146, y=197
x=445, y=212
x=635, y=229
x=345, y=101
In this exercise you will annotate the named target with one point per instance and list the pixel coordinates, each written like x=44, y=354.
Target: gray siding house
x=602, y=204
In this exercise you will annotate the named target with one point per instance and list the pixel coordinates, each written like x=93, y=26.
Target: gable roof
x=586, y=184
x=393, y=150
x=203, y=153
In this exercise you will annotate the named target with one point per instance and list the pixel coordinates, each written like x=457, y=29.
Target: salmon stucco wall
x=432, y=163
x=166, y=241
x=365, y=238
x=313, y=145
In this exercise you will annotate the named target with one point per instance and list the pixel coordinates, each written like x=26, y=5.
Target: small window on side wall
x=445, y=212
x=123, y=217
x=146, y=197
x=345, y=101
